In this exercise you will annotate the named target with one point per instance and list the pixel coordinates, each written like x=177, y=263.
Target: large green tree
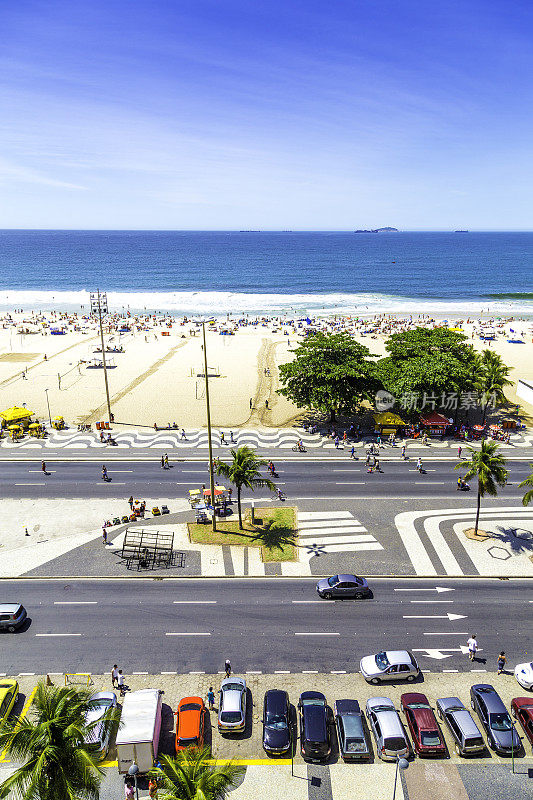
x=488, y=466
x=56, y=763
x=330, y=373
x=191, y=775
x=243, y=471
x=427, y=362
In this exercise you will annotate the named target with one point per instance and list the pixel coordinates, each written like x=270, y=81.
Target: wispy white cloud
x=15, y=173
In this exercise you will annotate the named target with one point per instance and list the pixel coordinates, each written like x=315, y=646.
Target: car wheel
x=11, y=628
x=327, y=595
x=358, y=595
x=374, y=681
x=410, y=678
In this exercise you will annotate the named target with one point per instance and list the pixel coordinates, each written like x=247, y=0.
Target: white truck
x=138, y=735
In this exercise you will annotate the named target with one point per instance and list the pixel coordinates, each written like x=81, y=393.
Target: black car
x=314, y=727
x=276, y=722
x=495, y=718
x=353, y=744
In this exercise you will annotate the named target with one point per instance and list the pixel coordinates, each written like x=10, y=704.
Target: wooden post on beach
x=211, y=473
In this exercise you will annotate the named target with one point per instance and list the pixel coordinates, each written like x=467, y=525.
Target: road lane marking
x=309, y=672
x=48, y=471
x=194, y=602
x=338, y=672
x=449, y=616
x=316, y=633
x=58, y=634
x=450, y=670
x=188, y=634
x=448, y=633
x=350, y=483
x=22, y=674
x=253, y=672
x=41, y=483
x=198, y=672
x=299, y=602
x=282, y=672
x=170, y=673
x=75, y=602
x=139, y=673
x=431, y=601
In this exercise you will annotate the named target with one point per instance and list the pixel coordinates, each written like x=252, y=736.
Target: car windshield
x=188, y=742
x=333, y=580
x=6, y=685
x=230, y=716
x=500, y=722
x=275, y=721
x=313, y=701
x=233, y=687
x=102, y=702
x=190, y=707
x=419, y=705
x=382, y=661
x=355, y=745
x=430, y=738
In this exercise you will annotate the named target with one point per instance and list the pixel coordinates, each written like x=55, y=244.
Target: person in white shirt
x=472, y=647
x=114, y=676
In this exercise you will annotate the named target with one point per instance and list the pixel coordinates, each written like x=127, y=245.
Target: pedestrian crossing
x=322, y=532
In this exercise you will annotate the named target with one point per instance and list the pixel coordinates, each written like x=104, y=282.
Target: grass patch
x=274, y=531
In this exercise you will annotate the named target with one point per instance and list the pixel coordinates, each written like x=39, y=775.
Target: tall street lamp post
x=208, y=412
x=401, y=763
x=99, y=306
x=48, y=404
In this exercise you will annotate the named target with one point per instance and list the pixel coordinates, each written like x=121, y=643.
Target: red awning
x=434, y=420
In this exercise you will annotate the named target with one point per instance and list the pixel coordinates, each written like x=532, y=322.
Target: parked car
x=522, y=710
x=314, y=728
x=389, y=665
x=276, y=722
x=9, y=692
x=190, y=723
x=343, y=586
x=101, y=706
x=465, y=733
x=423, y=726
x=232, y=706
x=353, y=743
x=386, y=725
x=524, y=675
x=12, y=616
x=495, y=718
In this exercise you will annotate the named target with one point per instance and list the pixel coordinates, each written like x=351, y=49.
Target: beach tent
x=14, y=415
x=387, y=422
x=435, y=423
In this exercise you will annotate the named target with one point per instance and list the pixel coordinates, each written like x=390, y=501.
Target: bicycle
x=298, y=449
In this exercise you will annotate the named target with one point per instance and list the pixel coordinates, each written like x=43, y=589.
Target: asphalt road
x=260, y=625
x=307, y=479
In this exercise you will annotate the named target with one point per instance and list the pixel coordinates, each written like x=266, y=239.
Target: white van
x=138, y=736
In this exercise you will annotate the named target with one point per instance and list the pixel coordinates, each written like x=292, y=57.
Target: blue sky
x=234, y=115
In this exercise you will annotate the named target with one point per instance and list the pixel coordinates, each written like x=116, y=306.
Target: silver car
x=389, y=665
x=12, y=616
x=386, y=725
x=232, y=706
x=100, y=718
x=464, y=731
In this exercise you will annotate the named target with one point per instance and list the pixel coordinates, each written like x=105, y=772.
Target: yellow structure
x=16, y=415
x=387, y=422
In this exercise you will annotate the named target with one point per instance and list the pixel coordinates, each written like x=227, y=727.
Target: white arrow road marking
x=449, y=616
x=438, y=589
x=434, y=653
x=439, y=652
x=447, y=633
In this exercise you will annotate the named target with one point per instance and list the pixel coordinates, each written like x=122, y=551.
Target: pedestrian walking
x=337, y=440
x=104, y=472
x=222, y=438
x=211, y=699
x=266, y=404
x=114, y=676
x=501, y=662
x=403, y=451
x=43, y=467
x=121, y=685
x=104, y=534
x=232, y=440
x=165, y=461
x=251, y=402
x=227, y=667
x=352, y=452
x=130, y=502
x=472, y=647
x=162, y=462
x=183, y=434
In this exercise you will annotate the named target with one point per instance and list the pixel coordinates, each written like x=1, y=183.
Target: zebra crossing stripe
x=334, y=532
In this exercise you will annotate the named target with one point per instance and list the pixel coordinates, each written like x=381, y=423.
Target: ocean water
x=252, y=272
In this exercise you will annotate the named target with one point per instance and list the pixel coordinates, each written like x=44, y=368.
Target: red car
x=522, y=710
x=422, y=723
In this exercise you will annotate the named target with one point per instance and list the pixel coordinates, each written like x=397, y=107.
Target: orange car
x=190, y=722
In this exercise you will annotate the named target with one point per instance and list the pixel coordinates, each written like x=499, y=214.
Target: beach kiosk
x=16, y=416
x=435, y=424
x=387, y=423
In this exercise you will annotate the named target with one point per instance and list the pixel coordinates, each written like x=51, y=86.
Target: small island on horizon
x=378, y=230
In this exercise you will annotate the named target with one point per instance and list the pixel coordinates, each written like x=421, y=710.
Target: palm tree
x=528, y=497
x=491, y=379
x=57, y=764
x=190, y=776
x=244, y=471
x=489, y=468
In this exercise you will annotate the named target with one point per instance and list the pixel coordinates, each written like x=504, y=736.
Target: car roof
x=232, y=700
x=408, y=698
x=373, y=702
x=311, y=695
x=189, y=720
x=491, y=697
x=9, y=608
x=102, y=696
x=347, y=707
x=353, y=725
x=229, y=681
x=524, y=702
x=315, y=722
x=398, y=656
x=449, y=702
x=346, y=577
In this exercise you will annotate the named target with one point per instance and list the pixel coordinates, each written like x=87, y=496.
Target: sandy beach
x=156, y=377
